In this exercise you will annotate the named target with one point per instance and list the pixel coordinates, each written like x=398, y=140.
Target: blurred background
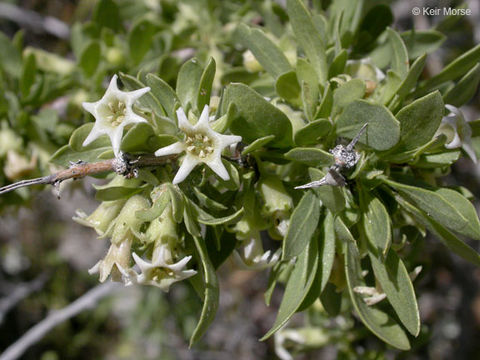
x=44, y=255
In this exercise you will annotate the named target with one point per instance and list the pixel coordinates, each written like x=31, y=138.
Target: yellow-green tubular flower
x=9, y=141
x=292, y=340
x=102, y=218
x=117, y=261
x=127, y=224
x=163, y=229
x=277, y=204
x=250, y=62
x=18, y=165
x=251, y=254
x=161, y=271
x=458, y=131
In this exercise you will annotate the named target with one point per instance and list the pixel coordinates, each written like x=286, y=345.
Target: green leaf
x=265, y=51
x=111, y=193
x=376, y=223
x=348, y=92
x=373, y=25
x=464, y=90
x=307, y=77
x=298, y=286
x=208, y=202
x=288, y=88
x=455, y=69
x=326, y=249
x=331, y=196
x=419, y=42
x=420, y=120
x=107, y=14
x=431, y=161
x=308, y=37
x=211, y=292
x=140, y=39
x=303, y=223
x=399, y=60
x=410, y=80
x=156, y=210
x=338, y=64
x=445, y=206
x=375, y=320
x=75, y=150
x=190, y=215
x=395, y=282
x=188, y=83
x=383, y=131
x=163, y=93
x=325, y=107
x=90, y=58
x=141, y=138
x=148, y=100
x=255, y=117
x=27, y=78
x=389, y=87
x=10, y=58
x=257, y=144
x=310, y=133
x=178, y=203
x=205, y=84
x=310, y=156
x=447, y=238
x=229, y=219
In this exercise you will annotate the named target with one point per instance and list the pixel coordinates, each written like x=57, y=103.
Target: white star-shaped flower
x=160, y=272
x=458, y=131
x=112, y=113
x=114, y=263
x=252, y=255
x=202, y=145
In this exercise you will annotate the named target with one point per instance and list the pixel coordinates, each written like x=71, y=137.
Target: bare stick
x=37, y=332
x=126, y=165
x=34, y=21
x=20, y=292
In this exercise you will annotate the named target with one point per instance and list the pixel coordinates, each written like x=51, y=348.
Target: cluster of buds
x=117, y=220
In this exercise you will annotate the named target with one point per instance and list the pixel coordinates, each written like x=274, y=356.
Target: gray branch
x=37, y=332
x=20, y=292
x=34, y=21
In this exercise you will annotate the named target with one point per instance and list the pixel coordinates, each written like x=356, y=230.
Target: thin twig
x=34, y=21
x=20, y=292
x=37, y=332
x=126, y=165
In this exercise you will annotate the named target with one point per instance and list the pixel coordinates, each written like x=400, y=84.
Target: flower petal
x=218, y=168
x=204, y=119
x=175, y=148
x=183, y=122
x=186, y=168
x=94, y=134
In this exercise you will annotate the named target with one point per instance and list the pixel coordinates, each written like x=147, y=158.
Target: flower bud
x=17, y=165
x=250, y=62
x=115, y=262
x=102, y=217
x=9, y=141
x=163, y=229
x=115, y=56
x=274, y=195
x=126, y=223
